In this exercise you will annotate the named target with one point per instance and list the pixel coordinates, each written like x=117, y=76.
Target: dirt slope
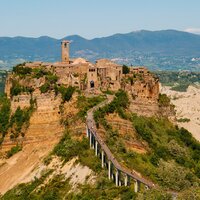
x=187, y=105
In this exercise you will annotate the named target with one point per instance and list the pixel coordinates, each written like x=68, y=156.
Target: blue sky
x=95, y=18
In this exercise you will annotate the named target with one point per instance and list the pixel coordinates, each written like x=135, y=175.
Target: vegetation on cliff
x=20, y=119
x=172, y=158
x=3, y=75
x=84, y=104
x=66, y=92
x=15, y=124
x=14, y=150
x=50, y=82
x=17, y=89
x=4, y=116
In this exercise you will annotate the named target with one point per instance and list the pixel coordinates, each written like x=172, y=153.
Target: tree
x=125, y=69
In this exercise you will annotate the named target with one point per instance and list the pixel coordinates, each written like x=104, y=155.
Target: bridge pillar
x=96, y=148
x=90, y=136
x=93, y=141
x=102, y=159
x=87, y=131
x=109, y=169
x=120, y=183
x=117, y=177
x=136, y=186
x=126, y=180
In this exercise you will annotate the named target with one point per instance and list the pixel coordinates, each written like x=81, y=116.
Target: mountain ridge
x=139, y=48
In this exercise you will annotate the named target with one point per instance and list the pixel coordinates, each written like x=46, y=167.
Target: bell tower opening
x=65, y=51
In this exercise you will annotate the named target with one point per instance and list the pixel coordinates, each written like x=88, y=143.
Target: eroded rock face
x=147, y=109
x=44, y=131
x=45, y=121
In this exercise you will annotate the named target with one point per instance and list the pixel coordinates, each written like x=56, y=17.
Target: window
x=91, y=84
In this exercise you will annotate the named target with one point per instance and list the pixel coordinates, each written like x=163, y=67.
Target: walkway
x=119, y=174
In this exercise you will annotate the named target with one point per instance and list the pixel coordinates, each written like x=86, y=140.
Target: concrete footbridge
x=116, y=172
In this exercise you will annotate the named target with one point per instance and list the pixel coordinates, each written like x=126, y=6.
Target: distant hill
x=166, y=49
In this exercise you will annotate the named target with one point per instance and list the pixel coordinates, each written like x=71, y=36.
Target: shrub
x=45, y=88
x=162, y=152
x=14, y=150
x=17, y=89
x=183, y=120
x=176, y=150
x=66, y=92
x=164, y=100
x=21, y=70
x=125, y=69
x=51, y=78
x=144, y=132
x=171, y=175
x=38, y=73
x=67, y=148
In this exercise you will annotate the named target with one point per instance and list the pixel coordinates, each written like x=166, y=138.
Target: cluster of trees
x=164, y=100
x=171, y=149
x=21, y=70
x=39, y=72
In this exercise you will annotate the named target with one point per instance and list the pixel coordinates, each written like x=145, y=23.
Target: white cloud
x=193, y=30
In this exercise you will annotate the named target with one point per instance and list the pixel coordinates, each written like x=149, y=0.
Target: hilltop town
x=95, y=78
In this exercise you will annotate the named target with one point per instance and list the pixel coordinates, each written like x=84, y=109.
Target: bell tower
x=65, y=51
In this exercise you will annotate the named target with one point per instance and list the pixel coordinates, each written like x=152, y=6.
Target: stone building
x=103, y=75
